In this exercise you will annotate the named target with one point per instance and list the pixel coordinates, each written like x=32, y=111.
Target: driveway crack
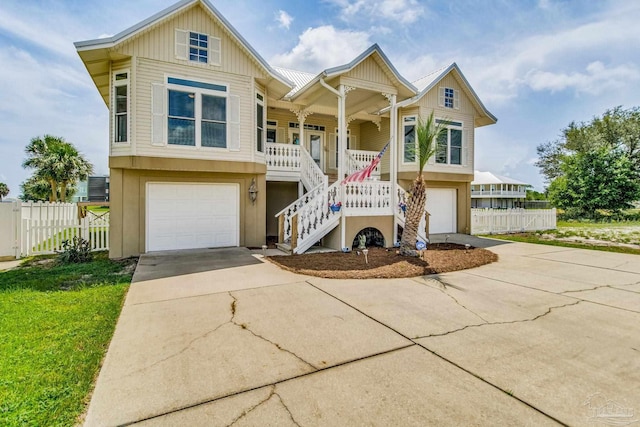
x=244, y=326
x=549, y=310
x=254, y=407
x=443, y=289
x=287, y=409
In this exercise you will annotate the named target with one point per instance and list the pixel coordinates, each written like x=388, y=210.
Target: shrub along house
x=210, y=146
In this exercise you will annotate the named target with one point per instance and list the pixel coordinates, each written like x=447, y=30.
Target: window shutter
x=281, y=135
x=332, y=151
x=441, y=96
x=233, y=125
x=456, y=99
x=215, y=50
x=182, y=45
x=159, y=120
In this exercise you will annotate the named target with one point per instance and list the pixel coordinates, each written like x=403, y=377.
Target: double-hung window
x=449, y=143
x=121, y=107
x=409, y=139
x=197, y=114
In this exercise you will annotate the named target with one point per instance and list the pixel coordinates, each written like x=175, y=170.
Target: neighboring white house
x=489, y=190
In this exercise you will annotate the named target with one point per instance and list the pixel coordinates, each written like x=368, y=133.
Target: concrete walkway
x=545, y=336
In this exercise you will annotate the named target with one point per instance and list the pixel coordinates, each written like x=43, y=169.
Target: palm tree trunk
x=415, y=210
x=54, y=191
x=63, y=191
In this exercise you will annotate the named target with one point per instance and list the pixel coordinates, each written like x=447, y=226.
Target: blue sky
x=537, y=65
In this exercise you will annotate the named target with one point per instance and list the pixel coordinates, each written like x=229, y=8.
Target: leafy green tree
x=617, y=130
x=596, y=179
x=35, y=189
x=533, y=194
x=4, y=190
x=56, y=162
x=427, y=132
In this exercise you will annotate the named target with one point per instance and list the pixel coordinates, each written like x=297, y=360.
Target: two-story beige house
x=210, y=146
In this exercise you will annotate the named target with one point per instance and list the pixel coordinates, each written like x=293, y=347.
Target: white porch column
x=302, y=115
x=393, y=157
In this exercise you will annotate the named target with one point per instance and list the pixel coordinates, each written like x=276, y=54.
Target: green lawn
x=535, y=238
x=55, y=326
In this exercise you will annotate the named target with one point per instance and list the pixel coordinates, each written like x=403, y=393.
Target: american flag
x=365, y=173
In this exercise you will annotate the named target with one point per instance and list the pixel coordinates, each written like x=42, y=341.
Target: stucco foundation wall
x=355, y=224
x=128, y=205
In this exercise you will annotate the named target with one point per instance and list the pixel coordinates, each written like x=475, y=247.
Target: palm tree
x=427, y=132
x=4, y=190
x=57, y=162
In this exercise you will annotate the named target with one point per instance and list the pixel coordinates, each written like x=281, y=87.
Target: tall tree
x=4, y=190
x=597, y=179
x=58, y=163
x=427, y=132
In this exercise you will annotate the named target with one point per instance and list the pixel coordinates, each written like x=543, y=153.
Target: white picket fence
x=502, y=221
x=41, y=228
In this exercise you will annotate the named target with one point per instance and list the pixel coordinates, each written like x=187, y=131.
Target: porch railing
x=498, y=193
x=293, y=161
x=359, y=159
x=367, y=198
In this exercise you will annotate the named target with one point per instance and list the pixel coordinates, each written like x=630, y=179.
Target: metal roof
x=491, y=178
x=298, y=78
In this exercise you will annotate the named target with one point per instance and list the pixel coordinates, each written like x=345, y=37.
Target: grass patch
x=591, y=224
x=55, y=327
x=534, y=238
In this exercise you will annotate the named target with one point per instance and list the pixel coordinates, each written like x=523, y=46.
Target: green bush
x=74, y=251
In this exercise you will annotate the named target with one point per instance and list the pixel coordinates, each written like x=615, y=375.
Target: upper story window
x=197, y=47
x=197, y=114
x=260, y=122
x=120, y=107
x=409, y=139
x=449, y=98
x=449, y=143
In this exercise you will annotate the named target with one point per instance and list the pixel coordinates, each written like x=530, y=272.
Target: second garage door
x=441, y=204
x=190, y=215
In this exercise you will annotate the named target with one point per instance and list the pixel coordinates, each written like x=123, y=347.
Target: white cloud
x=323, y=47
x=597, y=79
x=401, y=11
x=284, y=19
x=550, y=61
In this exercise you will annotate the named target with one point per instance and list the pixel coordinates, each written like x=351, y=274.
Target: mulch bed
x=386, y=263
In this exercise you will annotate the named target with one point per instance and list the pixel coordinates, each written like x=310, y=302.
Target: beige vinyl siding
x=151, y=71
x=369, y=71
x=373, y=139
x=159, y=42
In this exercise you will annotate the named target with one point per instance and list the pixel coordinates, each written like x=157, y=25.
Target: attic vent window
x=198, y=47
x=449, y=98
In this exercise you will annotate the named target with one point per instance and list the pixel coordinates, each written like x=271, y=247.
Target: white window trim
x=198, y=111
x=114, y=84
x=462, y=145
x=271, y=126
x=264, y=122
x=402, y=125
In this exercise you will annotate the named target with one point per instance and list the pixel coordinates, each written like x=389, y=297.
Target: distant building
x=94, y=189
x=489, y=190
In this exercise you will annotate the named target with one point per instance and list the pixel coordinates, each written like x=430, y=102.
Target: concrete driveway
x=545, y=336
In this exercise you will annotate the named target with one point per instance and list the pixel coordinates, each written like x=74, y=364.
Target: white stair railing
x=315, y=219
x=311, y=174
x=400, y=215
x=368, y=198
x=285, y=216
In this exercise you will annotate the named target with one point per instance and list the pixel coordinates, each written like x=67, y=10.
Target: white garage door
x=189, y=216
x=441, y=204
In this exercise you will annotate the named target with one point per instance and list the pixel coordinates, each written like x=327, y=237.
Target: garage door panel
x=189, y=215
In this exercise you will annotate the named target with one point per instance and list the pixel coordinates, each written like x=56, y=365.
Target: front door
x=314, y=145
